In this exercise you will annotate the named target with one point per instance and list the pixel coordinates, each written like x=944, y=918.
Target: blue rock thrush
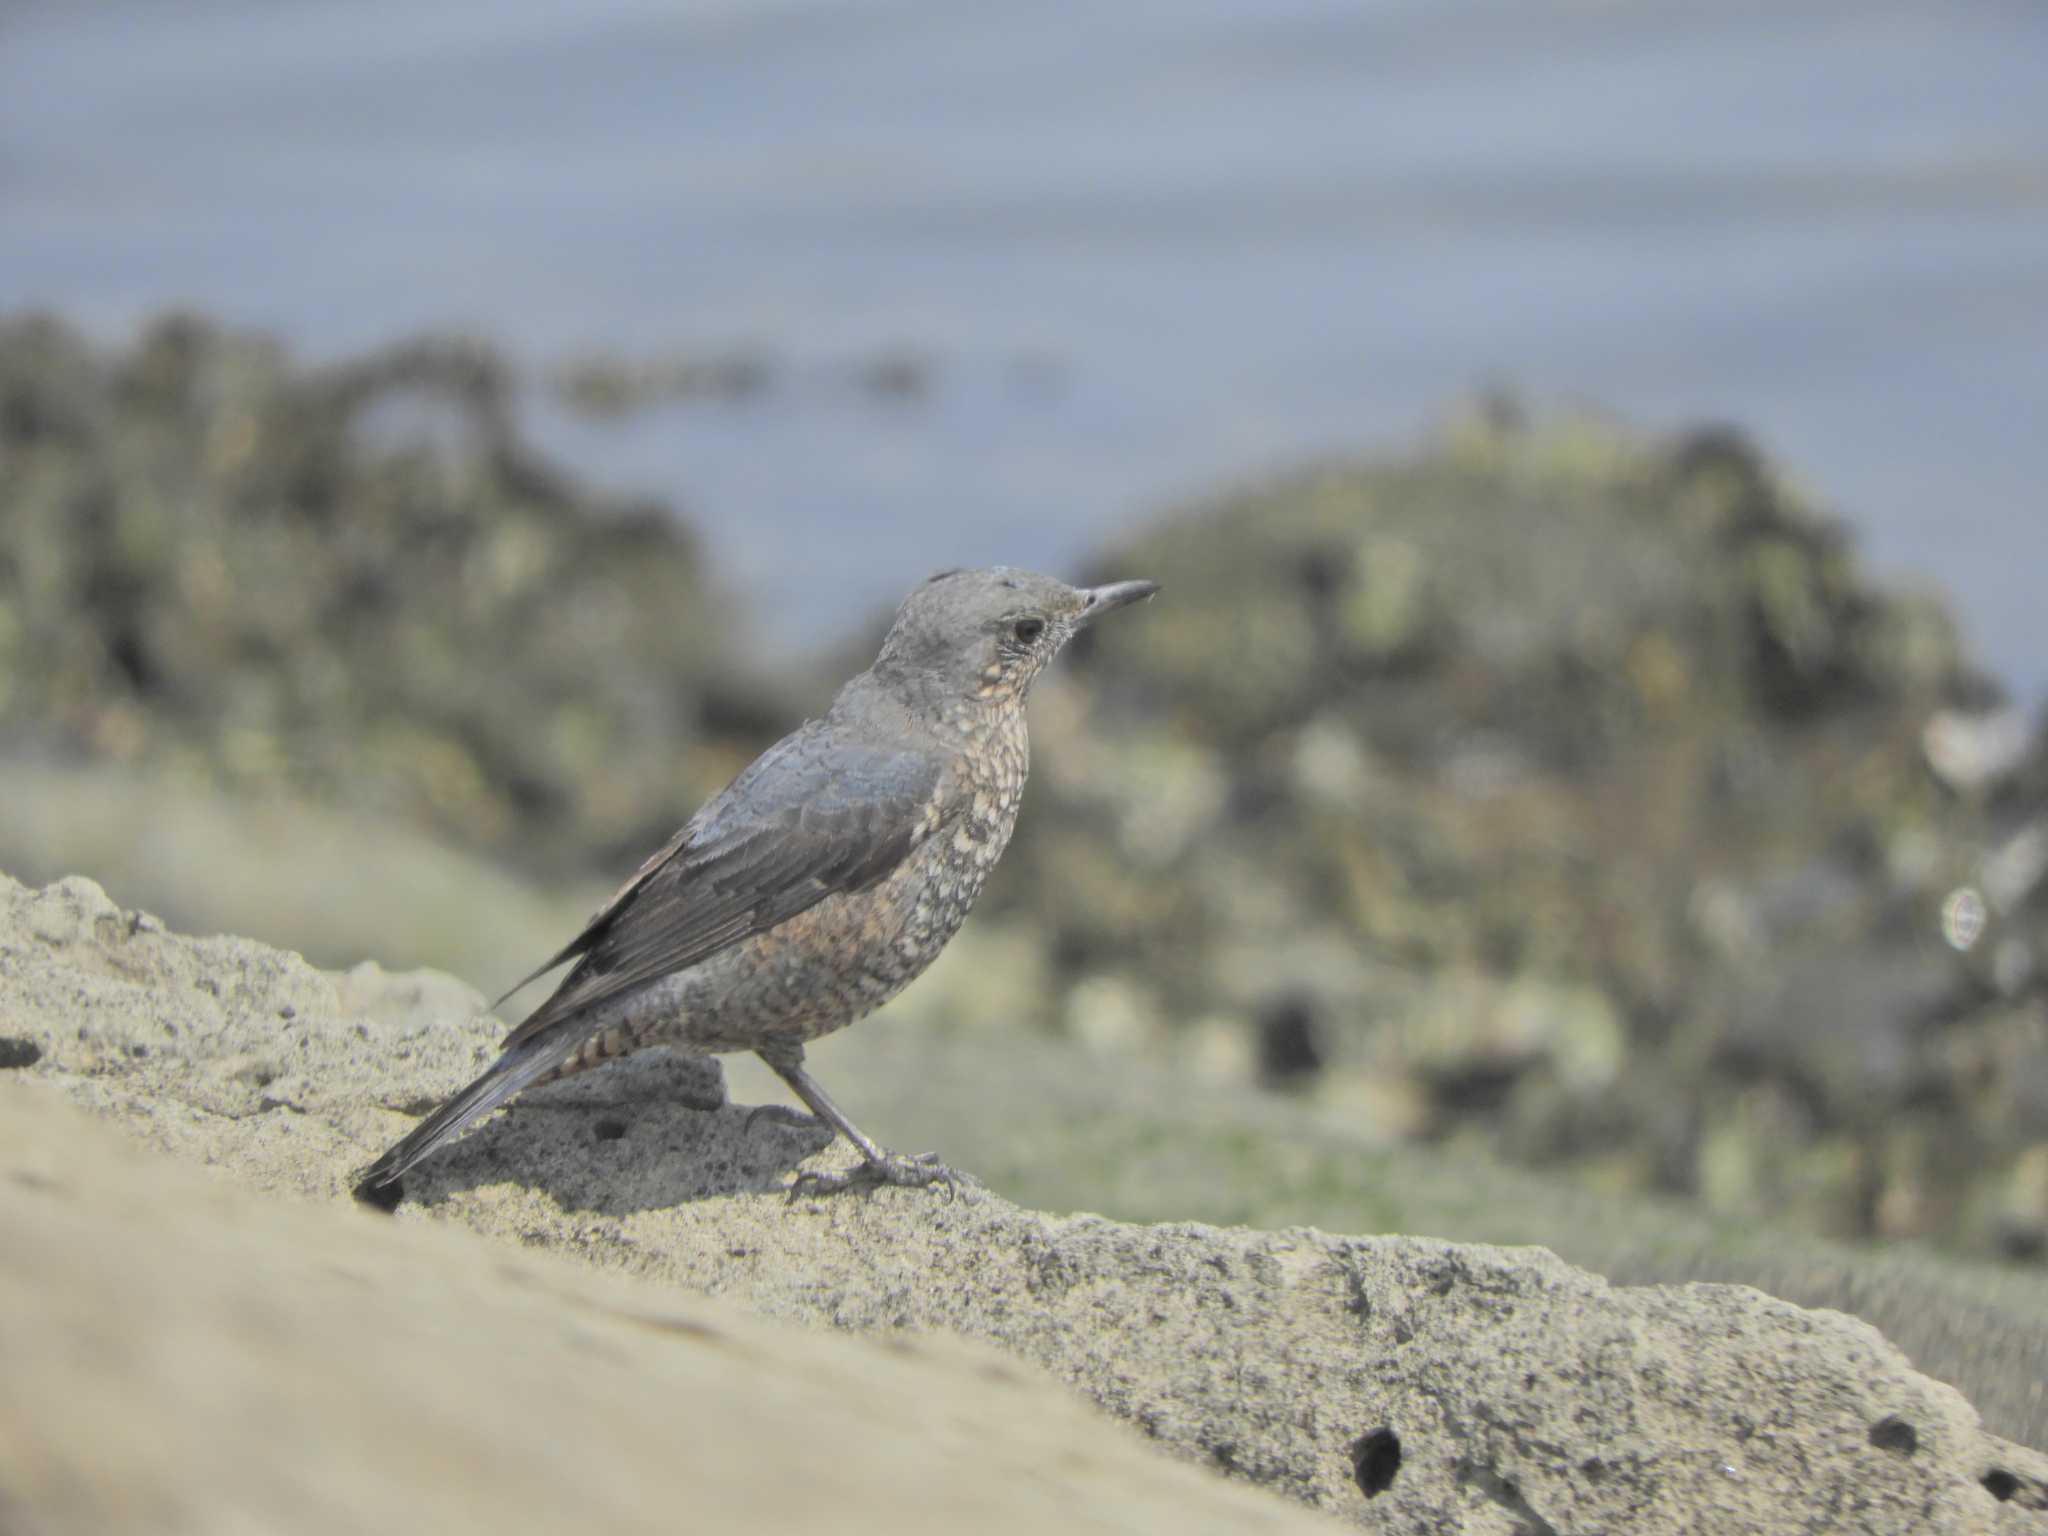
x=821, y=881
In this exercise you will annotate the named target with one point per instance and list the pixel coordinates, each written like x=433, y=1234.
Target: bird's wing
x=802, y=823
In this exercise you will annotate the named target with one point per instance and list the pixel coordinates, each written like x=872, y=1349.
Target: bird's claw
x=893, y=1168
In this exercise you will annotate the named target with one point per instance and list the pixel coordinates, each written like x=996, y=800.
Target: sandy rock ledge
x=185, y=1356
x=1404, y=1384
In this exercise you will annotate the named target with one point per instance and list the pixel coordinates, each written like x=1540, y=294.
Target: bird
x=816, y=885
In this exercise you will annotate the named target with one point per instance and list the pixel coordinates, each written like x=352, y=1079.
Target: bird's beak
x=1096, y=601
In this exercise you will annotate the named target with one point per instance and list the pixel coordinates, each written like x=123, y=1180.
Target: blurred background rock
x=356, y=584
x=1566, y=794
x=1519, y=786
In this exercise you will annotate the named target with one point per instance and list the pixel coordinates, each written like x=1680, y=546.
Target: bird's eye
x=1027, y=631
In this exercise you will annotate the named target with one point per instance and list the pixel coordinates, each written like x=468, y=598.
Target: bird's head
x=986, y=634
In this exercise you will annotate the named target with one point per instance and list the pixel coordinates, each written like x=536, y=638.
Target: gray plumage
x=822, y=880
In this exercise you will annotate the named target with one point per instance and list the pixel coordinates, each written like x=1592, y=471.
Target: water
x=1145, y=247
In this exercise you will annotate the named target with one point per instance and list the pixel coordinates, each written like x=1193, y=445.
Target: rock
x=1145, y=1142
x=184, y=1356
x=1404, y=1383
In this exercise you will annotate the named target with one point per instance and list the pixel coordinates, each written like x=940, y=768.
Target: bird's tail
x=518, y=1069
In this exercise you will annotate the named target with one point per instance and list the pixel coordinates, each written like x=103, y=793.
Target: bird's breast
x=950, y=867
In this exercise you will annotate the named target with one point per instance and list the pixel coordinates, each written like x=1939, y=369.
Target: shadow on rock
x=650, y=1132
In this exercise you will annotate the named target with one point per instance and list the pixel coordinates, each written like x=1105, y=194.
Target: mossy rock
x=1601, y=758
x=358, y=582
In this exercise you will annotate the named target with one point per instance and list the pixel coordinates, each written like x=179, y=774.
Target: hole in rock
x=1374, y=1461
x=1894, y=1434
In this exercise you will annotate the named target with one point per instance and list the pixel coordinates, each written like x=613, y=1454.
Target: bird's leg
x=877, y=1166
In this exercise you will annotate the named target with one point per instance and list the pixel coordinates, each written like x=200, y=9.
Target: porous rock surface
x=1405, y=1384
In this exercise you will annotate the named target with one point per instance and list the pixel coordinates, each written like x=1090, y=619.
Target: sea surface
x=1127, y=252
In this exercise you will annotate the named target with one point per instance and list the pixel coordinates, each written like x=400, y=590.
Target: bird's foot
x=892, y=1168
